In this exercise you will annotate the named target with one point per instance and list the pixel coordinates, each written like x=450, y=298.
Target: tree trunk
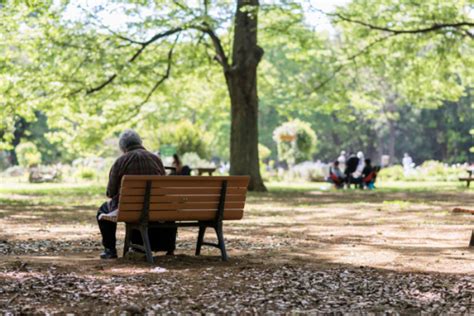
x=241, y=81
x=391, y=141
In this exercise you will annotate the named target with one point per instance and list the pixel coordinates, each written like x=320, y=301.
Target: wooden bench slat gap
x=203, y=215
x=179, y=198
x=126, y=191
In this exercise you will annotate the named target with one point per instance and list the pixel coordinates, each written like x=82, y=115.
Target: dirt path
x=312, y=251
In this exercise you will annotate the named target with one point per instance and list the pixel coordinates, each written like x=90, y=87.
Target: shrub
x=28, y=154
x=296, y=141
x=310, y=171
x=263, y=152
x=184, y=136
x=194, y=161
x=393, y=173
x=430, y=170
x=85, y=173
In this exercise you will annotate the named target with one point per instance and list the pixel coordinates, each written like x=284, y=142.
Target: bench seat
x=174, y=201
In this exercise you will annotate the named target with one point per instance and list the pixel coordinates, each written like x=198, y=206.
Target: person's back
x=342, y=159
x=351, y=164
x=369, y=174
x=335, y=175
x=367, y=168
x=135, y=161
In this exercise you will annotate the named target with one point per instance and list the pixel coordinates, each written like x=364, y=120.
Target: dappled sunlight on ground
x=364, y=234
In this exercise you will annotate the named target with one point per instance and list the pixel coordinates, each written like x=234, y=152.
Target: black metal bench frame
x=144, y=224
x=468, y=180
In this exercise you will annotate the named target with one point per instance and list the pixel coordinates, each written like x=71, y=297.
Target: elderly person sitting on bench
x=136, y=160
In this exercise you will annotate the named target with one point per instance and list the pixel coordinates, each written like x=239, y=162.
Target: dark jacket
x=137, y=160
x=367, y=170
x=351, y=165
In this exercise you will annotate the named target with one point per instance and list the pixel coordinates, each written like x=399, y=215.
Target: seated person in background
x=336, y=176
x=135, y=160
x=368, y=175
x=179, y=170
x=351, y=167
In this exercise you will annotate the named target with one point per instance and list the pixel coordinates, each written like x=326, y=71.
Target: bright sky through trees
x=115, y=18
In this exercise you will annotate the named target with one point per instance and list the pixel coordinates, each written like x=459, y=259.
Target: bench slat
x=182, y=206
x=183, y=191
x=203, y=215
x=181, y=198
x=185, y=178
x=162, y=183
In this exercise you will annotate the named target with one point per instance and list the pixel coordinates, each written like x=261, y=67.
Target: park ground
x=300, y=248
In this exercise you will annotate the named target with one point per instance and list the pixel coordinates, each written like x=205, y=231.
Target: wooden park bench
x=177, y=201
x=467, y=211
x=468, y=179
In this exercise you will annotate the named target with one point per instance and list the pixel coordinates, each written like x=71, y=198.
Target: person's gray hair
x=129, y=138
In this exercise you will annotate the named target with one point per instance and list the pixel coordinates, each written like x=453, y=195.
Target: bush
x=184, y=136
x=194, y=161
x=296, y=141
x=15, y=171
x=430, y=170
x=86, y=173
x=28, y=154
x=393, y=173
x=310, y=171
x=263, y=152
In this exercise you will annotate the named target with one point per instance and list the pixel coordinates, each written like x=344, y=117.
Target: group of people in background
x=353, y=169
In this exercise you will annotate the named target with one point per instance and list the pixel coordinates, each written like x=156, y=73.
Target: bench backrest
x=181, y=198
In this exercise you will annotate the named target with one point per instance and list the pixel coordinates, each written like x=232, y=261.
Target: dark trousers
x=161, y=239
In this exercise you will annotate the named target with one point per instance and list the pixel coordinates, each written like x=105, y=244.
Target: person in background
x=177, y=164
x=368, y=175
x=342, y=160
x=407, y=163
x=360, y=165
x=351, y=166
x=336, y=176
x=179, y=170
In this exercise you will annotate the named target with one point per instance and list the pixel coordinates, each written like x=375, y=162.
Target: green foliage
x=296, y=141
x=86, y=173
x=194, y=161
x=263, y=152
x=430, y=170
x=184, y=136
x=392, y=173
x=351, y=87
x=28, y=154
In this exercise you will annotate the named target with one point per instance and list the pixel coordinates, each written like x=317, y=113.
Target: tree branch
x=221, y=56
x=164, y=77
x=364, y=50
x=143, y=45
x=431, y=28
x=135, y=110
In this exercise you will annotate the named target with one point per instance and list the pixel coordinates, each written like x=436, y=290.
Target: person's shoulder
x=151, y=155
x=121, y=158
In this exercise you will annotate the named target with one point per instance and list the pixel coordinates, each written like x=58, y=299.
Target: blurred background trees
x=391, y=77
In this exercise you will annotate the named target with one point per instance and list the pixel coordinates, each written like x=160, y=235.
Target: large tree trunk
x=241, y=81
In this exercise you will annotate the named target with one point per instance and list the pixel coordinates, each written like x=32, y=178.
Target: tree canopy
x=387, y=66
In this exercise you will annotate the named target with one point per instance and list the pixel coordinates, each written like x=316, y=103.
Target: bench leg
x=146, y=243
x=126, y=244
x=202, y=230
x=220, y=238
x=471, y=244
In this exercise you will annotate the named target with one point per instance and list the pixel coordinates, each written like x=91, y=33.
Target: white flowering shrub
x=296, y=141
